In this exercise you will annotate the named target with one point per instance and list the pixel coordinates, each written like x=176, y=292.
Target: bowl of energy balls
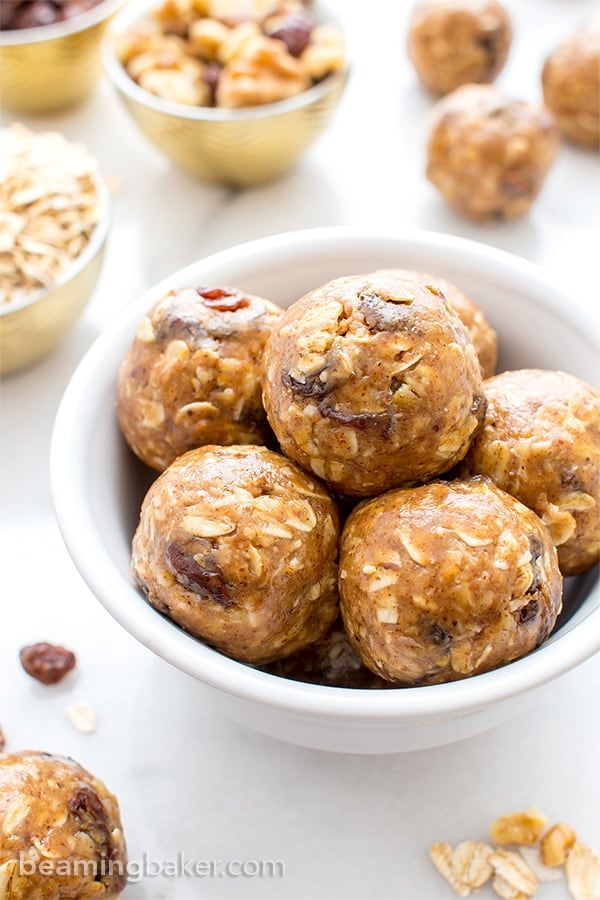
x=350, y=481
x=54, y=221
x=50, y=51
x=233, y=91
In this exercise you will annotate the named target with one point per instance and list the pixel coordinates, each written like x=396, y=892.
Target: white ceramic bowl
x=98, y=488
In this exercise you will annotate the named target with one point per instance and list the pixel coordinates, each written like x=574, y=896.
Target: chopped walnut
x=555, y=845
x=230, y=53
x=519, y=828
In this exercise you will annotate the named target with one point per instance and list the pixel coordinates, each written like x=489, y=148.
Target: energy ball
x=446, y=580
x=482, y=334
x=239, y=547
x=60, y=831
x=330, y=661
x=489, y=155
x=571, y=83
x=372, y=382
x=192, y=375
x=541, y=442
x=455, y=42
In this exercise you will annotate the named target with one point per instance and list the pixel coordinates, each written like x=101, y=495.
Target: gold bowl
x=54, y=66
x=232, y=146
x=31, y=327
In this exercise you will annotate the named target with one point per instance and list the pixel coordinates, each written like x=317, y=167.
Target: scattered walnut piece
x=514, y=879
x=582, y=869
x=82, y=717
x=465, y=868
x=523, y=827
x=47, y=663
x=555, y=845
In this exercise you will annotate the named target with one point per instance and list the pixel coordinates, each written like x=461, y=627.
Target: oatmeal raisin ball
x=239, y=547
x=541, y=442
x=446, y=580
x=571, y=83
x=482, y=334
x=372, y=382
x=52, y=811
x=489, y=155
x=455, y=42
x=330, y=661
x=192, y=375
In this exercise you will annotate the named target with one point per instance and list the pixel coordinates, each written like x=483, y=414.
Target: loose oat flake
x=82, y=717
x=49, y=207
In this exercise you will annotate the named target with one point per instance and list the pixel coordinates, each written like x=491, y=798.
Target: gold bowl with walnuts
x=233, y=91
x=54, y=220
x=52, y=67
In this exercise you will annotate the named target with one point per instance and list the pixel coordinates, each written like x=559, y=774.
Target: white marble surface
x=188, y=780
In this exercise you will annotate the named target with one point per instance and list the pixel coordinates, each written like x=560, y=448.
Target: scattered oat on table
x=49, y=208
x=516, y=874
x=82, y=717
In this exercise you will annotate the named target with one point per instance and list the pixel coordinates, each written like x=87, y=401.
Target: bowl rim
x=115, y=70
x=125, y=604
x=16, y=37
x=93, y=246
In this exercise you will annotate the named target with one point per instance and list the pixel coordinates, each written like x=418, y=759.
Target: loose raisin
x=47, y=663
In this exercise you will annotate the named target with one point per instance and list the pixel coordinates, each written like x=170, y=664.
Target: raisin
x=311, y=386
x=212, y=74
x=206, y=579
x=438, y=634
x=380, y=420
x=47, y=663
x=479, y=407
x=2, y=741
x=294, y=30
x=528, y=612
x=222, y=299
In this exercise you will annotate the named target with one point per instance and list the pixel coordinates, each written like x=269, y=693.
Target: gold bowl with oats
x=53, y=67
x=239, y=146
x=32, y=324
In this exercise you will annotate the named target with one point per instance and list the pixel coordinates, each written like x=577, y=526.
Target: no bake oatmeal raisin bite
x=372, y=381
x=192, y=374
x=446, y=581
x=239, y=547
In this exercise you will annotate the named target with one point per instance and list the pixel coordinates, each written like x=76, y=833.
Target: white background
x=345, y=826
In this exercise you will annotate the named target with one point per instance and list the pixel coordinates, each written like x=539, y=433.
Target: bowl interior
x=98, y=485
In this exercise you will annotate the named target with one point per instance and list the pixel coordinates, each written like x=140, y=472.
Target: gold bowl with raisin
x=233, y=92
x=46, y=64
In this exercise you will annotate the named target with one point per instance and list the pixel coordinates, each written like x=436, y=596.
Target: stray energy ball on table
x=541, y=442
x=446, y=580
x=571, y=82
x=60, y=831
x=331, y=661
x=239, y=547
x=482, y=334
x=489, y=155
x=372, y=382
x=192, y=375
x=455, y=42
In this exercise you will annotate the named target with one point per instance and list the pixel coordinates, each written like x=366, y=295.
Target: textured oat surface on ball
x=456, y=42
x=483, y=336
x=371, y=381
x=330, y=661
x=192, y=375
x=446, y=580
x=489, y=155
x=541, y=442
x=239, y=547
x=52, y=811
x=571, y=83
